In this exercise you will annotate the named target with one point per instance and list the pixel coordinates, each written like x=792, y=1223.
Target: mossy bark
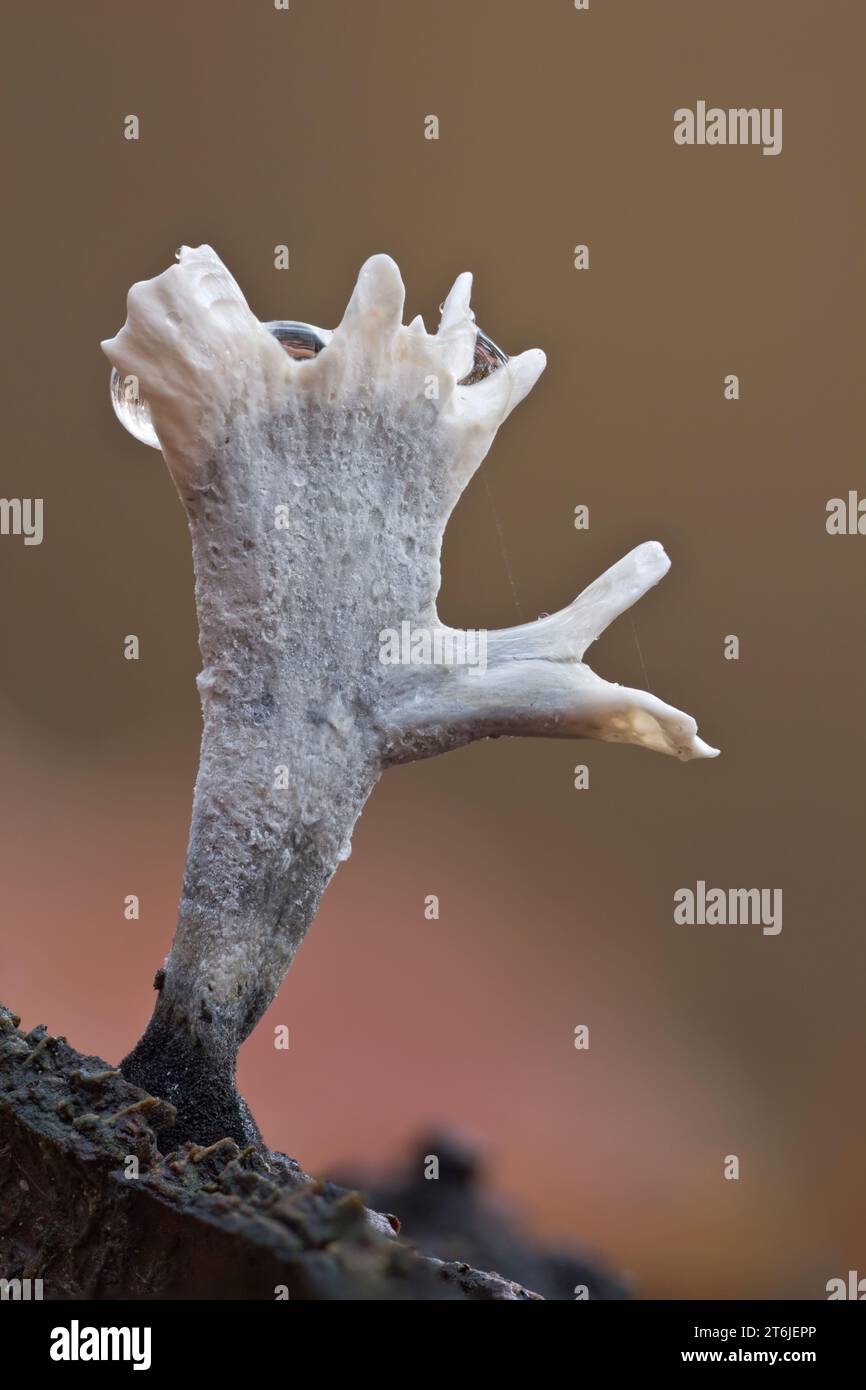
x=97, y=1202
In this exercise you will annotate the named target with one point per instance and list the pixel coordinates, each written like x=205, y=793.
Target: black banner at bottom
x=226, y=1340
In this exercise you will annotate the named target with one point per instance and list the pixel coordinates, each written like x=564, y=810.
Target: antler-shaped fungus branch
x=533, y=681
x=317, y=492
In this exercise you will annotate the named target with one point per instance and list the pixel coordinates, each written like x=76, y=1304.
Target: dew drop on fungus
x=300, y=340
x=132, y=409
x=488, y=358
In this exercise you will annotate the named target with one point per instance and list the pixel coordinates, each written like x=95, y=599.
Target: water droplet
x=132, y=409
x=300, y=340
x=488, y=358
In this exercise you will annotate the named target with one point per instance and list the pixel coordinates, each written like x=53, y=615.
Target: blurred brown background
x=260, y=127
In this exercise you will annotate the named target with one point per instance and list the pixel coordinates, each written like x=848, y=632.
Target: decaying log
x=94, y=1202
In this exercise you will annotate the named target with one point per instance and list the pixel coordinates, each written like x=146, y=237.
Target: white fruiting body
x=366, y=448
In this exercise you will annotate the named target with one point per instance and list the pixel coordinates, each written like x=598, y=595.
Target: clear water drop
x=488, y=358
x=300, y=340
x=131, y=409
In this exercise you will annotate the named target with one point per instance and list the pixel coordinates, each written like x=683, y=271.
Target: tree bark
x=96, y=1202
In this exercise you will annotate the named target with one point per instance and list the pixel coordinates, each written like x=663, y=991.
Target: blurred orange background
x=305, y=127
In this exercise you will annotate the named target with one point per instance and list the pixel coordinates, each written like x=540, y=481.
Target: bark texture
x=214, y=1222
